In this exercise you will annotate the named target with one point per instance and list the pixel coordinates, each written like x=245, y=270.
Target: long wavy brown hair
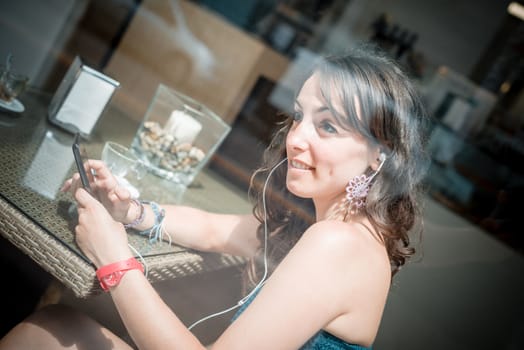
x=392, y=117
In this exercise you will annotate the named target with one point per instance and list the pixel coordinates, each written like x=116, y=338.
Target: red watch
x=110, y=275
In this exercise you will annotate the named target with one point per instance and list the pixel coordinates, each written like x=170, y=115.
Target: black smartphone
x=80, y=158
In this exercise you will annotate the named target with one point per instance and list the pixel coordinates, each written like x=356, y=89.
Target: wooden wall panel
x=159, y=48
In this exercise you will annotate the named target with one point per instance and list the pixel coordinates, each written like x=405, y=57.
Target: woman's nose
x=297, y=137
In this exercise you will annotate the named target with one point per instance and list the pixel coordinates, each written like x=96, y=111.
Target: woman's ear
x=378, y=158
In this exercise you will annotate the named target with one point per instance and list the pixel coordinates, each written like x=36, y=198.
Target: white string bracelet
x=157, y=231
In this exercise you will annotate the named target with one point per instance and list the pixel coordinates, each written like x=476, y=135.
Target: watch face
x=112, y=279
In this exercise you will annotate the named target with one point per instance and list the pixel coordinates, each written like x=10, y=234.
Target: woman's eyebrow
x=322, y=109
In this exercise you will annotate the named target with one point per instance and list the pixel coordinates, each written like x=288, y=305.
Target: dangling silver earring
x=358, y=188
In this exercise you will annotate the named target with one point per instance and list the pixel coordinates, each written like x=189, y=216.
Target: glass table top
x=36, y=159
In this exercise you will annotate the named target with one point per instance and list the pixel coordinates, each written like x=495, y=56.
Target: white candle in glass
x=183, y=127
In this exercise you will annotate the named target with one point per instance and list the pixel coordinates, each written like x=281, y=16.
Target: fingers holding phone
x=81, y=165
x=96, y=178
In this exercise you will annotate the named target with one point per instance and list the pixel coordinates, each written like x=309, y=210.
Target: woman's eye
x=328, y=127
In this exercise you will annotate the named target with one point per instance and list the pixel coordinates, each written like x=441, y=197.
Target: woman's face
x=322, y=156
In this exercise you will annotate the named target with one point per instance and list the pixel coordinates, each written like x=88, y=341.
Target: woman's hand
x=101, y=239
x=115, y=198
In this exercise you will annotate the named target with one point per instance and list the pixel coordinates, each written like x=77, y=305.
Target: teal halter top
x=320, y=341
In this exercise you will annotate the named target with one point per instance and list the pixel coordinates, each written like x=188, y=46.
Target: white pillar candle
x=183, y=127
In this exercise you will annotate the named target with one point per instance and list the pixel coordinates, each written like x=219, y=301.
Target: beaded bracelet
x=156, y=232
x=140, y=217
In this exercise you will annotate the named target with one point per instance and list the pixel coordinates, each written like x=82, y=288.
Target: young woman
x=335, y=201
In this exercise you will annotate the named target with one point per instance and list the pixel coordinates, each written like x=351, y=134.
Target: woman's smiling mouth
x=299, y=165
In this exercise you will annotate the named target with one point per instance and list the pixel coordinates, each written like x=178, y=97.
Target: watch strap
x=111, y=274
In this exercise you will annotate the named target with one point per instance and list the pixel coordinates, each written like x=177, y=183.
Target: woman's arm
x=150, y=322
x=205, y=231
x=189, y=227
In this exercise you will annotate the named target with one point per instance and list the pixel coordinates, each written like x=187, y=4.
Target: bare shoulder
x=355, y=264
x=347, y=265
x=342, y=253
x=347, y=252
x=350, y=239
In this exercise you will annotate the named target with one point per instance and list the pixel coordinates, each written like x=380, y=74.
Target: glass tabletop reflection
x=36, y=158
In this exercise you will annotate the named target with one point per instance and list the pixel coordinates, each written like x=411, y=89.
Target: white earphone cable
x=146, y=270
x=264, y=276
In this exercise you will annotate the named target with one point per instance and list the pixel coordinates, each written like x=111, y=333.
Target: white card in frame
x=81, y=98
